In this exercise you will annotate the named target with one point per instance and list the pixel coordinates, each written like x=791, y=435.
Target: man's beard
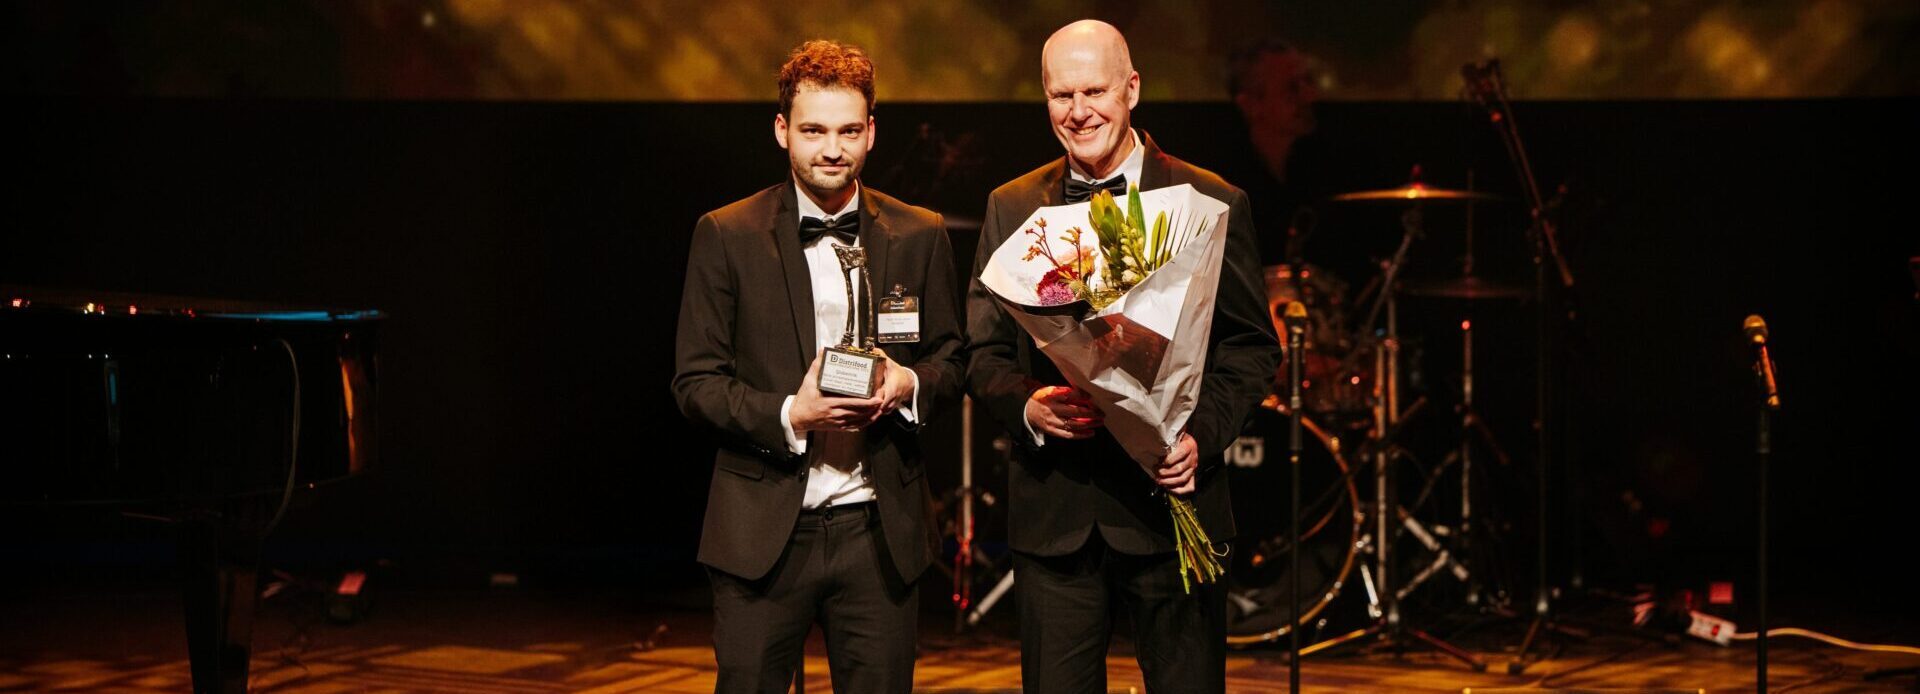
x=825, y=186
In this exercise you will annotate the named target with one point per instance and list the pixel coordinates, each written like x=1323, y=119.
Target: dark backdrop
x=530, y=256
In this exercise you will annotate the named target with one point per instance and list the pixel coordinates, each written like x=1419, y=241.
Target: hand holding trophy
x=852, y=368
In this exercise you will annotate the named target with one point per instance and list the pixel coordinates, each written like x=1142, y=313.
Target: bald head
x=1088, y=43
x=1091, y=90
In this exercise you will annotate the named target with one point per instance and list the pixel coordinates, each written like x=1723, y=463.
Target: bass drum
x=1258, y=583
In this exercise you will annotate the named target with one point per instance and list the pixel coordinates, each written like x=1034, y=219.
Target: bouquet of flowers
x=1125, y=313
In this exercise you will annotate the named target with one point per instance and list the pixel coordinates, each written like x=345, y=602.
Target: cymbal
x=1416, y=192
x=1469, y=287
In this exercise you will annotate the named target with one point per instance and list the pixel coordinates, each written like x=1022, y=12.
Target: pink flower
x=1055, y=293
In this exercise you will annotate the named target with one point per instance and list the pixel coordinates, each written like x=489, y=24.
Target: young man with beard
x=1087, y=531
x=816, y=513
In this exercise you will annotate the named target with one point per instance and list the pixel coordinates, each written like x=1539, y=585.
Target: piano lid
x=114, y=303
x=117, y=397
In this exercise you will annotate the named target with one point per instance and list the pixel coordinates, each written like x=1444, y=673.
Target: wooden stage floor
x=521, y=641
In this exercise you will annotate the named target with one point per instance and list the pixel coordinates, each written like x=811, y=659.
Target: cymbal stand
x=1384, y=602
x=963, y=532
x=1468, y=418
x=968, y=557
x=1472, y=426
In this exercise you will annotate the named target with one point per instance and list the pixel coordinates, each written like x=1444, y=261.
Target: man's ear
x=870, y=134
x=780, y=130
x=1133, y=90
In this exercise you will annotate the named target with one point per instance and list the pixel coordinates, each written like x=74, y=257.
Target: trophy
x=852, y=368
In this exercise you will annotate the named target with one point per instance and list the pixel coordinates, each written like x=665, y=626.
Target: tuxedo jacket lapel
x=1155, y=171
x=785, y=227
x=877, y=239
x=1054, y=185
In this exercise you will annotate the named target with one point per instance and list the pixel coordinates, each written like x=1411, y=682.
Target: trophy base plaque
x=850, y=372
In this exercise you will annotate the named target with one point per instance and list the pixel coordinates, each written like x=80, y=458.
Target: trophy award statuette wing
x=852, y=368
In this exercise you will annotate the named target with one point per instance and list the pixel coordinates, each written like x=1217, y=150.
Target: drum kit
x=1352, y=526
x=1335, y=432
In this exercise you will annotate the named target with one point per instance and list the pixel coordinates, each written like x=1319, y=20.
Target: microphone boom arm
x=1488, y=88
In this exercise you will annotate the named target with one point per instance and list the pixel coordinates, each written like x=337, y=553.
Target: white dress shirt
x=838, y=474
x=1130, y=166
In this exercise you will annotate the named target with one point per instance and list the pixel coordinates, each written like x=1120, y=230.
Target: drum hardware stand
x=1469, y=422
x=993, y=596
x=1486, y=85
x=967, y=612
x=1471, y=427
x=964, y=555
x=1384, y=603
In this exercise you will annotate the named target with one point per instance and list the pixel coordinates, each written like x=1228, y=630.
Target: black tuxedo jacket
x=1064, y=489
x=744, y=342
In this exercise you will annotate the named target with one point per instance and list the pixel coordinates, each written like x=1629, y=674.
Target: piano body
x=209, y=415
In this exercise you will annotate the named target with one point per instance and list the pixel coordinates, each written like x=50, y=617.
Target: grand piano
x=207, y=415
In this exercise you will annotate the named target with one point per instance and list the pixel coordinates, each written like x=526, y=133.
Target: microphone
x=1482, y=79
x=1296, y=315
x=1756, y=330
x=1480, y=70
x=1296, y=320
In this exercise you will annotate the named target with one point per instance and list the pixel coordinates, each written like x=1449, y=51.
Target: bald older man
x=1087, y=531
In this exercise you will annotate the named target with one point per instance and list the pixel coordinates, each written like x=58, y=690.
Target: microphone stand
x=1768, y=401
x=1488, y=87
x=1764, y=450
x=1296, y=357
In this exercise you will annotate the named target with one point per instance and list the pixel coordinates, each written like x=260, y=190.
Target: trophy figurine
x=852, y=368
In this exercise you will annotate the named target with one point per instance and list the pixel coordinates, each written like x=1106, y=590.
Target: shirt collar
x=808, y=208
x=1131, y=166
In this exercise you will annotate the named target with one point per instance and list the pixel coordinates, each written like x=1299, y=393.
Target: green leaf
x=1135, y=217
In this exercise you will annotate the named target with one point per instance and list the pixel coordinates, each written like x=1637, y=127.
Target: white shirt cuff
x=913, y=404
x=795, y=444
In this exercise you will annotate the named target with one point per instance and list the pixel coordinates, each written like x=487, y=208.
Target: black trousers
x=1066, y=603
x=835, y=572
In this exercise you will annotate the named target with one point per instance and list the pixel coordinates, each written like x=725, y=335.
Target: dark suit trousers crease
x=1065, y=626
x=834, y=571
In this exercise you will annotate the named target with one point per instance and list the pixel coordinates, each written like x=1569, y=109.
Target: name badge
x=899, y=317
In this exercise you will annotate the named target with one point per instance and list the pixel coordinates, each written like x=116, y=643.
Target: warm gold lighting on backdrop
x=973, y=50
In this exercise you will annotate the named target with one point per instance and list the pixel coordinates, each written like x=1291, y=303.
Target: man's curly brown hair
x=821, y=63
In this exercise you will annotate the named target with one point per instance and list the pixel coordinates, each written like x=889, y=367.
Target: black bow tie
x=845, y=229
x=1080, y=191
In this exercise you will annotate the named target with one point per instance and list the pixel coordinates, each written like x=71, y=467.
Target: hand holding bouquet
x=1126, y=316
